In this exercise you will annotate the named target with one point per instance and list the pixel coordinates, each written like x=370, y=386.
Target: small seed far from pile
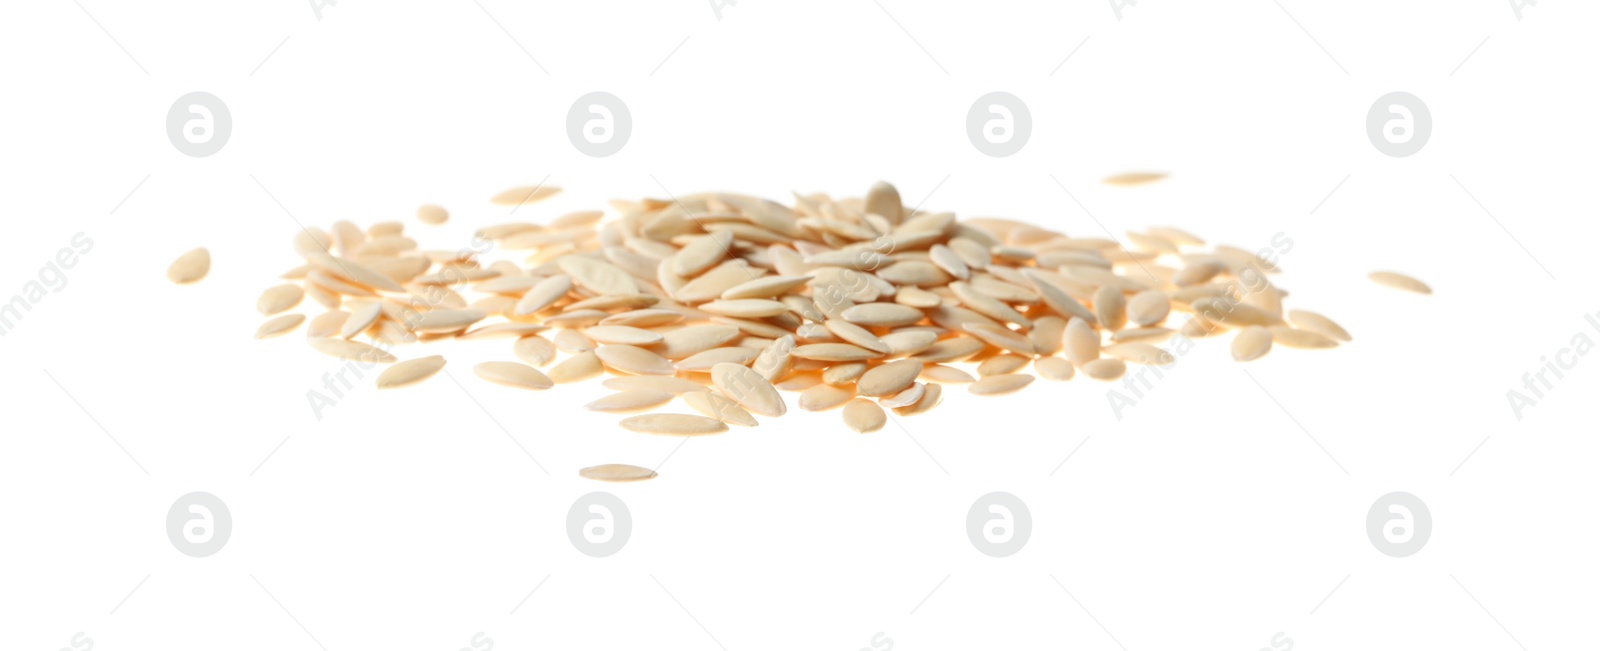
x=726, y=301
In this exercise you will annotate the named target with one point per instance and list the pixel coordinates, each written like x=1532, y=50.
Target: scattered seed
x=864, y=416
x=616, y=472
x=748, y=389
x=674, y=424
x=714, y=405
x=279, y=324
x=514, y=375
x=1105, y=369
x=1400, y=281
x=1251, y=343
x=1000, y=384
x=409, y=372
x=633, y=400
x=190, y=267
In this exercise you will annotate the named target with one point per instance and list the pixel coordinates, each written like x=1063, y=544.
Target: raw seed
x=905, y=398
x=616, y=472
x=823, y=397
x=634, y=400
x=190, y=267
x=514, y=375
x=889, y=379
x=1319, y=324
x=1287, y=336
x=1251, y=343
x=675, y=424
x=279, y=298
x=711, y=403
x=634, y=360
x=409, y=372
x=577, y=368
x=350, y=350
x=1106, y=369
x=431, y=214
x=748, y=389
x=1000, y=384
x=1054, y=368
x=864, y=416
x=278, y=325
x=1400, y=281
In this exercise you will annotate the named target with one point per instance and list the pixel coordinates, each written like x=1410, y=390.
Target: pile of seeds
x=721, y=301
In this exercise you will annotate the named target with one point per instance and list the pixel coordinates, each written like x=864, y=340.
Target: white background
x=1207, y=517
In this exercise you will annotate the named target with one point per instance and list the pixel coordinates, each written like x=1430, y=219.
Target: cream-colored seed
x=823, y=397
x=1054, y=368
x=1106, y=369
x=350, y=350
x=1251, y=343
x=577, y=368
x=889, y=379
x=432, y=214
x=1319, y=324
x=514, y=375
x=864, y=416
x=747, y=388
x=1292, y=338
x=279, y=324
x=279, y=298
x=1110, y=307
x=1001, y=365
x=190, y=267
x=1149, y=307
x=712, y=404
x=674, y=424
x=634, y=360
x=629, y=401
x=616, y=472
x=1400, y=281
x=1000, y=384
x=409, y=372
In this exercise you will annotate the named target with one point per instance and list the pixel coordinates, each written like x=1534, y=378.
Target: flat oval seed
x=882, y=314
x=702, y=362
x=747, y=388
x=1000, y=384
x=1149, y=307
x=654, y=382
x=1082, y=343
x=190, y=267
x=945, y=374
x=823, y=397
x=543, y=295
x=1001, y=365
x=327, y=324
x=950, y=350
x=1054, y=368
x=931, y=394
x=768, y=287
x=634, y=360
x=513, y=374
x=1106, y=369
x=843, y=374
x=432, y=214
x=889, y=379
x=616, y=472
x=278, y=325
x=1400, y=281
x=577, y=368
x=1319, y=324
x=534, y=350
x=409, y=372
x=834, y=352
x=524, y=194
x=674, y=424
x=855, y=334
x=633, y=400
x=864, y=416
x=446, y=320
x=714, y=405
x=701, y=253
x=746, y=308
x=617, y=334
x=279, y=298
x=351, y=350
x=684, y=342
x=1287, y=336
x=1110, y=307
x=909, y=342
x=1251, y=343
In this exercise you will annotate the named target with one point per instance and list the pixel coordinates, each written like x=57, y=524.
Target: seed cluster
x=723, y=300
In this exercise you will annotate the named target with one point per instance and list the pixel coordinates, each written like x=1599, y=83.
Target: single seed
x=525, y=194
x=628, y=401
x=834, y=352
x=634, y=360
x=577, y=368
x=514, y=375
x=931, y=394
x=674, y=424
x=1110, y=307
x=1054, y=368
x=945, y=374
x=279, y=298
x=1139, y=353
x=702, y=362
x=1106, y=369
x=432, y=214
x=746, y=308
x=1149, y=307
x=823, y=397
x=653, y=382
x=889, y=379
x=409, y=372
x=905, y=398
x=1400, y=281
x=881, y=314
x=190, y=267
x=616, y=472
x=1000, y=384
x=1001, y=365
x=864, y=416
x=1251, y=343
x=616, y=334
x=278, y=325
